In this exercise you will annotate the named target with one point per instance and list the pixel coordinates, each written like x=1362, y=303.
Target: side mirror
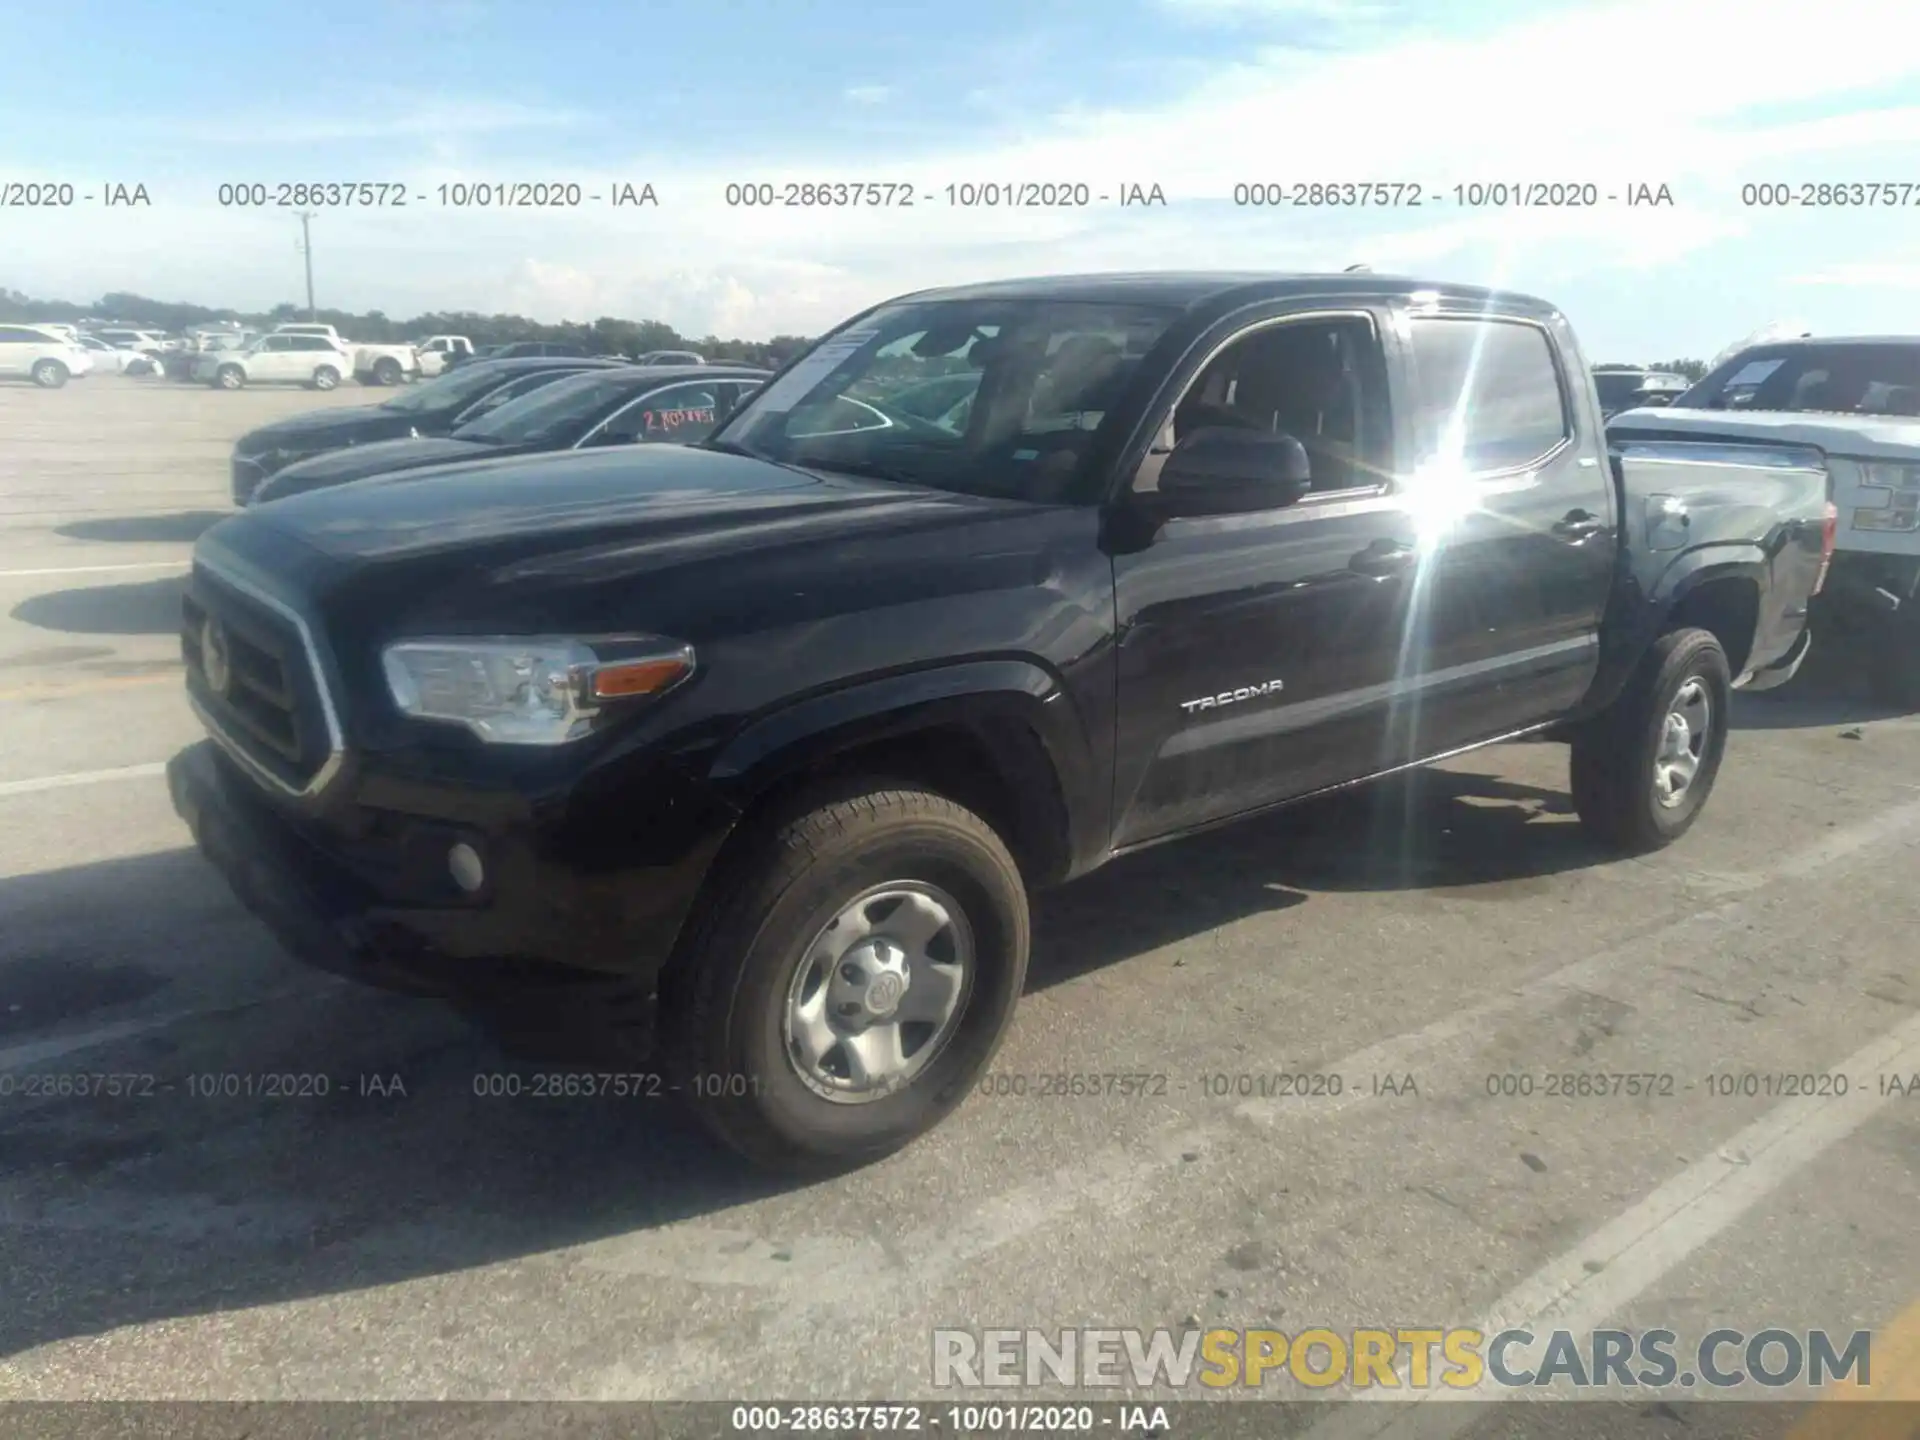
x=1223, y=471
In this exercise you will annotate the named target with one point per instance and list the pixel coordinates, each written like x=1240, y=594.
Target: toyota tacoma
x=773, y=735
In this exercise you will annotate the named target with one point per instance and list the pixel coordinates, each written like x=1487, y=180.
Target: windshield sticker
x=793, y=387
x=665, y=422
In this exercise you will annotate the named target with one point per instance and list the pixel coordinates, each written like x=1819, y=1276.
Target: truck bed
x=1696, y=512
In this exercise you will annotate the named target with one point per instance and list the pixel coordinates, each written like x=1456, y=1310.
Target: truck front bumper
x=315, y=910
x=541, y=939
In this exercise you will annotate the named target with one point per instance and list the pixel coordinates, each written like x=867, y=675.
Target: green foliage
x=607, y=335
x=1692, y=369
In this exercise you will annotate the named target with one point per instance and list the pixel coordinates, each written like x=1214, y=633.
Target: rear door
x=310, y=352
x=1515, y=508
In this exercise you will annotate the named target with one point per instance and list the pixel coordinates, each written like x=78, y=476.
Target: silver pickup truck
x=1854, y=405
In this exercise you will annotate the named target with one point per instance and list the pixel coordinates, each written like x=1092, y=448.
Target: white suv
x=46, y=357
x=277, y=359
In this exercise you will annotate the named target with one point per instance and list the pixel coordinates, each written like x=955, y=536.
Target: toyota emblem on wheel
x=214, y=661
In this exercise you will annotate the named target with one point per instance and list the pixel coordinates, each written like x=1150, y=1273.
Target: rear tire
x=387, y=371
x=772, y=1023
x=325, y=378
x=1642, y=769
x=50, y=374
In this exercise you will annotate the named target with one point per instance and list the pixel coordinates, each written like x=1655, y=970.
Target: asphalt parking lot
x=403, y=1236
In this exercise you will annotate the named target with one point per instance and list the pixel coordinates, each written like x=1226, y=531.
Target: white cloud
x=1614, y=93
x=1318, y=11
x=869, y=94
x=374, y=118
x=1878, y=275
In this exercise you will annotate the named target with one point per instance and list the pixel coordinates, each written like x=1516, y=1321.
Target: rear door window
x=1488, y=393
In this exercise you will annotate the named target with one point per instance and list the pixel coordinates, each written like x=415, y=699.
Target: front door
x=1258, y=653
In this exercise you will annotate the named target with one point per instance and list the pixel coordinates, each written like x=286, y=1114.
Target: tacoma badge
x=1231, y=697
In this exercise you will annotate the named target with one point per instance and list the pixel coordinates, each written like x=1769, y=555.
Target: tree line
x=1692, y=369
x=608, y=335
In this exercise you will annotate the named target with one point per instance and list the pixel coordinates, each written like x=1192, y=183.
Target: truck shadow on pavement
x=1833, y=688
x=1428, y=829
x=399, y=1143
x=145, y=607
x=178, y=529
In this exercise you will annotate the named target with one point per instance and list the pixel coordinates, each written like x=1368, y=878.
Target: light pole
x=306, y=249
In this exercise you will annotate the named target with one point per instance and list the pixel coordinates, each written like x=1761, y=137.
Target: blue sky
x=1194, y=95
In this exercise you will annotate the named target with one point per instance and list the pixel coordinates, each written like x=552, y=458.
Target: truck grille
x=248, y=668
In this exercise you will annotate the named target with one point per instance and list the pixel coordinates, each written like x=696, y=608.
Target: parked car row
x=43, y=355
x=229, y=356
x=1627, y=387
x=491, y=408
x=1851, y=406
x=760, y=742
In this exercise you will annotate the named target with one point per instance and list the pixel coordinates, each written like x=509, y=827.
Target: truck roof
x=1818, y=340
x=1193, y=289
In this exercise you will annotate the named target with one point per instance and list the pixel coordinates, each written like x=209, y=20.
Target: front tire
x=50, y=374
x=1642, y=769
x=230, y=377
x=852, y=976
x=325, y=378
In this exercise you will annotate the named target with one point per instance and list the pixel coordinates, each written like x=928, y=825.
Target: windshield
x=449, y=392
x=555, y=414
x=1829, y=379
x=1027, y=386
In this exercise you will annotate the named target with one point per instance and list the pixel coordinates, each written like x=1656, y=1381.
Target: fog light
x=463, y=862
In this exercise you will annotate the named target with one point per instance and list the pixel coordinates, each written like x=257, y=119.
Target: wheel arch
x=1718, y=589
x=999, y=736
x=1722, y=597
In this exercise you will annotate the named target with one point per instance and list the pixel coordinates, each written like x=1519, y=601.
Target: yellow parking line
x=53, y=690
x=1895, y=1377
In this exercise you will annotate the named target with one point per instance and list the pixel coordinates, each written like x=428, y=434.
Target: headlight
x=1892, y=493
x=532, y=691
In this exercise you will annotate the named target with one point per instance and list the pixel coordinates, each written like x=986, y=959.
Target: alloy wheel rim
x=1683, y=743
x=879, y=992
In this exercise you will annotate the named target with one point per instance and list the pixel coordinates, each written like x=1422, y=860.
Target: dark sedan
x=625, y=406
x=435, y=408
x=519, y=350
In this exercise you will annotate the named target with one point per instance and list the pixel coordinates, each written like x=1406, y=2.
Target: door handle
x=1579, y=525
x=1381, y=559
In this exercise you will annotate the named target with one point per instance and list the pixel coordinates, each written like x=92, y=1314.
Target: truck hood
x=1858, y=437
x=328, y=429
x=632, y=507
x=357, y=462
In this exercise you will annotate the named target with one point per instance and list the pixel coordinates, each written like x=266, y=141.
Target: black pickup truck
x=773, y=735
